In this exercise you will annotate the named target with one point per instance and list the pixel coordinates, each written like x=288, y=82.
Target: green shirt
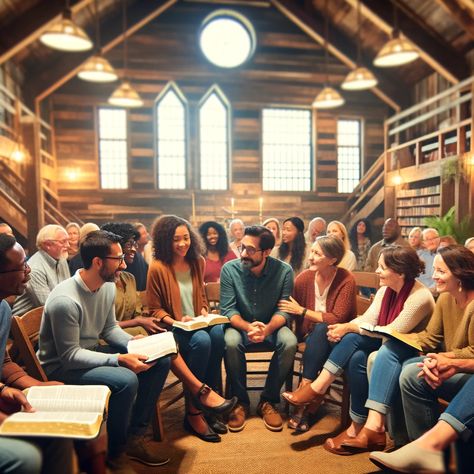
x=255, y=298
x=185, y=284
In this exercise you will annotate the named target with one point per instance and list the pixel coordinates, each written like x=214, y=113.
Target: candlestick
x=232, y=207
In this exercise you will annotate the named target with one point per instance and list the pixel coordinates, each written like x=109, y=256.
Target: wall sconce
x=72, y=174
x=397, y=179
x=18, y=154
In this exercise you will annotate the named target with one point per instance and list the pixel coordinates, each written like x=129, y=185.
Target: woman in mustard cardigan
x=175, y=291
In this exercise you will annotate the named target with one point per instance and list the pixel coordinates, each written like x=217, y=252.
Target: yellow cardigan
x=162, y=290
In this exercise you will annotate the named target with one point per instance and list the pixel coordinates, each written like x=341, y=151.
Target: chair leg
x=345, y=404
x=92, y=454
x=158, y=428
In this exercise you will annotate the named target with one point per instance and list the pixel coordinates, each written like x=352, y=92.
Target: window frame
x=312, y=153
x=223, y=98
x=360, y=119
x=187, y=166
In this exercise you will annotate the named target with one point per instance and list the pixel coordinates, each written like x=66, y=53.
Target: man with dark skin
x=391, y=236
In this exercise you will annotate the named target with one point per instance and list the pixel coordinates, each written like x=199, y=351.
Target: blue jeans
x=5, y=323
x=202, y=351
x=420, y=401
x=317, y=351
x=352, y=352
x=282, y=341
x=384, y=388
x=133, y=398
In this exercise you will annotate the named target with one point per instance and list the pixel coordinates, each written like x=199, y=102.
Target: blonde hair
x=87, y=228
x=73, y=224
x=416, y=229
x=345, y=235
x=48, y=232
x=277, y=222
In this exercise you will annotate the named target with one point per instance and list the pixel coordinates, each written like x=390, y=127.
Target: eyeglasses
x=251, y=251
x=132, y=244
x=24, y=269
x=119, y=258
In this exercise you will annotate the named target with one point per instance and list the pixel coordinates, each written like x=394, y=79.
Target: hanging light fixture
x=66, y=35
x=97, y=68
x=18, y=153
x=328, y=98
x=125, y=95
x=397, y=51
x=359, y=78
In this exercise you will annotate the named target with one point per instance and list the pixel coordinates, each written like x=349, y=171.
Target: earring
x=459, y=286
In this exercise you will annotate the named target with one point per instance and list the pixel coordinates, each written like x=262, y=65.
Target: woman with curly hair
x=217, y=251
x=293, y=249
x=361, y=240
x=175, y=292
x=339, y=230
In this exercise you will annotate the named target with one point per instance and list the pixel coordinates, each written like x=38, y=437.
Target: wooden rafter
x=442, y=58
x=72, y=71
x=313, y=27
x=31, y=25
x=463, y=16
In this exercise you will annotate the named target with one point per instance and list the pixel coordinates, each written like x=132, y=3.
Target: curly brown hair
x=162, y=235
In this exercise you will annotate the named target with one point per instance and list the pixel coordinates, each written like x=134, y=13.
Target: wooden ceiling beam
x=464, y=17
x=313, y=26
x=444, y=60
x=32, y=24
x=68, y=69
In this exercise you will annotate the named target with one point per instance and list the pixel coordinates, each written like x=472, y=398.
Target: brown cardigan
x=162, y=290
x=340, y=302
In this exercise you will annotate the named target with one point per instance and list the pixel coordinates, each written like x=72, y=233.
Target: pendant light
x=328, y=98
x=66, y=35
x=359, y=78
x=125, y=95
x=97, y=68
x=397, y=51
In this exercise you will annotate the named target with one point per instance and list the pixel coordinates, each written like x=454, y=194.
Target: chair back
x=362, y=304
x=367, y=280
x=213, y=295
x=25, y=332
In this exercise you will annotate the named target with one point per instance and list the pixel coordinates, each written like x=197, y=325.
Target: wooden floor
x=256, y=450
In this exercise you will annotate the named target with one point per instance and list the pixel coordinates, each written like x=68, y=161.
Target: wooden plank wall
x=287, y=70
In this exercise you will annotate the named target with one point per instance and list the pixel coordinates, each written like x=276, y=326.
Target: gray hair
x=332, y=247
x=48, y=232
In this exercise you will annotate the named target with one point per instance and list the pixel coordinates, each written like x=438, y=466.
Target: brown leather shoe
x=366, y=440
x=238, y=418
x=333, y=445
x=271, y=417
x=304, y=396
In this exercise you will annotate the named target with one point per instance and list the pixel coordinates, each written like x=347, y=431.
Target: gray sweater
x=73, y=321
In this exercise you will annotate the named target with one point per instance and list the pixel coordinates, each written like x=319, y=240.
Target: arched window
x=214, y=118
x=171, y=138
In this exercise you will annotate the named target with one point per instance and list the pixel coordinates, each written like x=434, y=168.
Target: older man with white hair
x=427, y=254
x=316, y=227
x=48, y=268
x=236, y=233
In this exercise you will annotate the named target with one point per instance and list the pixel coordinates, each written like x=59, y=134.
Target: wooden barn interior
x=415, y=123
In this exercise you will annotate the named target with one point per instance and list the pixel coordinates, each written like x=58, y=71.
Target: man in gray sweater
x=78, y=312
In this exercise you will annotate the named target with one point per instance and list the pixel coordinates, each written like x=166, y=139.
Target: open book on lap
x=391, y=333
x=61, y=411
x=155, y=346
x=200, y=322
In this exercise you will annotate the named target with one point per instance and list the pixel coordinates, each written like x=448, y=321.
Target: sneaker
x=120, y=465
x=237, y=418
x=140, y=449
x=271, y=417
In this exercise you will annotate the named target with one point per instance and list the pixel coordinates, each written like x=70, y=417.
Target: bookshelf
x=417, y=200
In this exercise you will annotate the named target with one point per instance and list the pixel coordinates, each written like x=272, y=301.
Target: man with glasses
x=249, y=295
x=20, y=455
x=77, y=313
x=427, y=254
x=48, y=268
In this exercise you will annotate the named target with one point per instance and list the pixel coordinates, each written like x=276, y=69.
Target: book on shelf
x=392, y=333
x=61, y=411
x=155, y=346
x=200, y=322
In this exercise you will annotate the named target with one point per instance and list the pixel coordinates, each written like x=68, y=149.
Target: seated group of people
x=261, y=298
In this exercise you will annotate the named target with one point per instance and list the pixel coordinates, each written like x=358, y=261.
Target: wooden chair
x=365, y=280
x=25, y=332
x=213, y=295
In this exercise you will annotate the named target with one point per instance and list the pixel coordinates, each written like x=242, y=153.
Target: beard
x=107, y=276
x=248, y=263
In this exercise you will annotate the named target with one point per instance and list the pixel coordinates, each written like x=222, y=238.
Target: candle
x=232, y=207
x=260, y=207
x=193, y=201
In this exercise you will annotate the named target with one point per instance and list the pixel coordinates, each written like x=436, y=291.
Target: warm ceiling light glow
x=125, y=96
x=397, y=180
x=97, y=69
x=328, y=98
x=359, y=79
x=66, y=35
x=72, y=174
x=17, y=154
x=396, y=52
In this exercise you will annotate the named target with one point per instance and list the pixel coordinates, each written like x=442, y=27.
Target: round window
x=227, y=38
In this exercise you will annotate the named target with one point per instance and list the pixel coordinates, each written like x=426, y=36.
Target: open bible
x=63, y=411
x=155, y=346
x=391, y=333
x=200, y=322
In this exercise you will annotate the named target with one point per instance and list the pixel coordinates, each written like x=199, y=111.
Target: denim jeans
x=282, y=341
x=317, y=351
x=384, y=388
x=420, y=401
x=202, y=351
x=133, y=397
x=352, y=352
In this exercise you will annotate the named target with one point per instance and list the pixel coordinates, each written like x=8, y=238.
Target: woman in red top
x=324, y=294
x=217, y=250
